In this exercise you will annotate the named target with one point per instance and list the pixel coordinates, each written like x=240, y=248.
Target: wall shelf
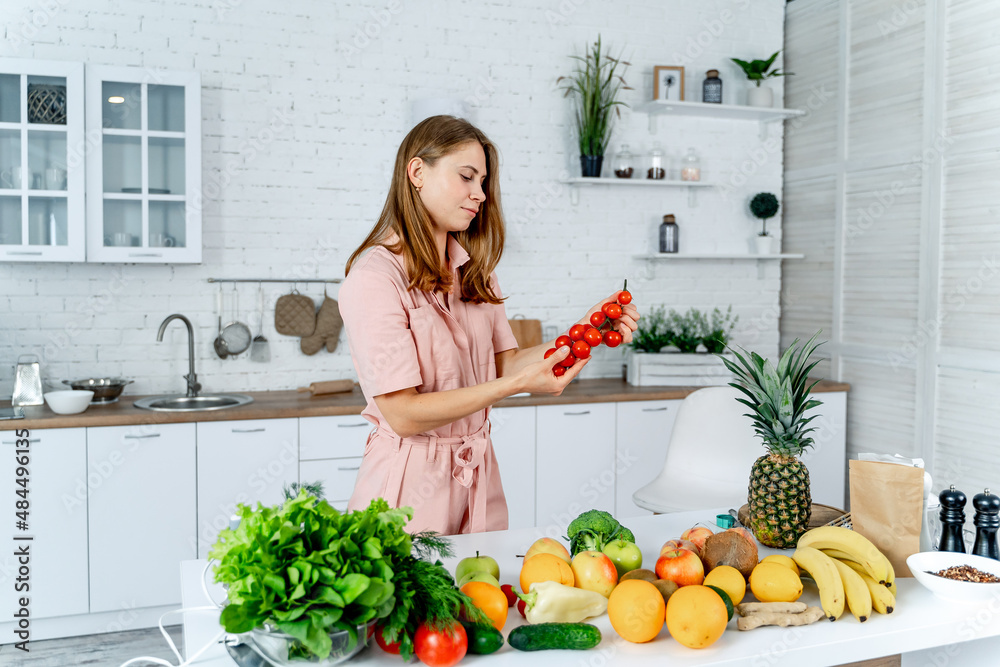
x=652, y=257
x=575, y=183
x=762, y=115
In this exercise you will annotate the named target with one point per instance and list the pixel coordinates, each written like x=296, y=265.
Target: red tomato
x=597, y=319
x=563, y=341
x=581, y=350
x=612, y=338
x=568, y=361
x=592, y=336
x=549, y=352
x=576, y=331
x=558, y=370
x=508, y=590
x=612, y=310
x=625, y=297
x=521, y=606
x=383, y=644
x=440, y=648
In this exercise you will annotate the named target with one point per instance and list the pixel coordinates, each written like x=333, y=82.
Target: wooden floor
x=107, y=650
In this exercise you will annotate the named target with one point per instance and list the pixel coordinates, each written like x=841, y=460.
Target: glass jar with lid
x=711, y=89
x=657, y=164
x=623, y=163
x=691, y=166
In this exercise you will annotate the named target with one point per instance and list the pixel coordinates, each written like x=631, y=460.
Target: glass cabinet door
x=41, y=165
x=141, y=181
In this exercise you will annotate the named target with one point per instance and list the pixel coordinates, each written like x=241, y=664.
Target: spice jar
x=691, y=166
x=952, y=520
x=656, y=165
x=669, y=234
x=711, y=89
x=623, y=163
x=987, y=521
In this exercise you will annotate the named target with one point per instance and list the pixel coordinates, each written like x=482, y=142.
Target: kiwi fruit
x=666, y=588
x=641, y=573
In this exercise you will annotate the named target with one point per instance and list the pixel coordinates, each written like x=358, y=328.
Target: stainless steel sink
x=179, y=403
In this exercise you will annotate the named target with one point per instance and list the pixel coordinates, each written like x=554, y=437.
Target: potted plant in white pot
x=665, y=349
x=764, y=206
x=595, y=86
x=757, y=71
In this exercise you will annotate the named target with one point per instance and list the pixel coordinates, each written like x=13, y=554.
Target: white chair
x=711, y=451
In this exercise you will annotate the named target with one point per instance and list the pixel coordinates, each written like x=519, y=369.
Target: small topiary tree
x=764, y=205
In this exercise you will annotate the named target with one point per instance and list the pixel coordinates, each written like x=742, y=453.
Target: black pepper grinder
x=952, y=520
x=987, y=521
x=668, y=234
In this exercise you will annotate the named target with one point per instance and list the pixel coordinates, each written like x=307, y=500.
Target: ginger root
x=750, y=608
x=780, y=619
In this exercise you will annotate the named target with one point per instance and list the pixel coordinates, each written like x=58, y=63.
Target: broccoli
x=593, y=529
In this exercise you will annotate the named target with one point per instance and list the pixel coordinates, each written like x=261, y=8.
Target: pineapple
x=779, y=500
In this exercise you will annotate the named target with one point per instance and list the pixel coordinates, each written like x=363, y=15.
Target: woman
x=429, y=336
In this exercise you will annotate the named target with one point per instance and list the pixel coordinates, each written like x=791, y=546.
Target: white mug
x=118, y=239
x=160, y=241
x=55, y=179
x=12, y=178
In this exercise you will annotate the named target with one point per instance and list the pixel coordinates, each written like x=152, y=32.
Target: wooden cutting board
x=821, y=515
x=527, y=332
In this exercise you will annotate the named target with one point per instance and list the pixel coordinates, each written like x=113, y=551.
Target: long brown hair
x=404, y=214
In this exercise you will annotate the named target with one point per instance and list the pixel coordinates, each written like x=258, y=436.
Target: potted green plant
x=720, y=328
x=764, y=206
x=757, y=71
x=595, y=86
x=665, y=348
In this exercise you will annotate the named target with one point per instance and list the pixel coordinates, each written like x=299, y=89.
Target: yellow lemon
x=729, y=579
x=773, y=582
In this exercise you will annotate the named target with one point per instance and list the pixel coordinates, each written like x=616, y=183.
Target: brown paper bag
x=527, y=333
x=887, y=502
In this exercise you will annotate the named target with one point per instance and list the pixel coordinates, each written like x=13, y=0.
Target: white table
x=927, y=630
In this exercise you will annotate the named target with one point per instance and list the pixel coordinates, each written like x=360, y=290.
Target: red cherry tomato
x=563, y=341
x=581, y=350
x=592, y=337
x=625, y=297
x=597, y=319
x=440, y=648
x=612, y=338
x=568, y=361
x=576, y=331
x=386, y=646
x=559, y=370
x=549, y=352
x=612, y=310
x=521, y=606
x=508, y=590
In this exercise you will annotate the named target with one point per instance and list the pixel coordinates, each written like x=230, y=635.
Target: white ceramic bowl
x=921, y=564
x=68, y=402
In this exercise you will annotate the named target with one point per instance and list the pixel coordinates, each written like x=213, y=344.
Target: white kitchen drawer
x=337, y=475
x=643, y=433
x=332, y=437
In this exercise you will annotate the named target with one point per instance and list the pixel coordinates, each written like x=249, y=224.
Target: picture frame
x=668, y=83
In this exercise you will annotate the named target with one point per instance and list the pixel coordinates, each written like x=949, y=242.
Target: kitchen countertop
x=279, y=404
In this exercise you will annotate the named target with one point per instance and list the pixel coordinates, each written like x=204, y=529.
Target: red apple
x=674, y=545
x=547, y=545
x=682, y=567
x=594, y=571
x=698, y=535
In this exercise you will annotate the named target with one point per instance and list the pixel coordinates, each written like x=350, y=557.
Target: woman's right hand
x=538, y=378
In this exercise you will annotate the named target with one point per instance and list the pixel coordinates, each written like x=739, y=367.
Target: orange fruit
x=729, y=579
x=545, y=567
x=490, y=599
x=636, y=610
x=696, y=616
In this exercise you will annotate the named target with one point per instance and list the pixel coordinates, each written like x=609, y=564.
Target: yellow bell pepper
x=553, y=602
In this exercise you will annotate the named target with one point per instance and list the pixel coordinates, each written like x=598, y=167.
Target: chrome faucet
x=192, y=380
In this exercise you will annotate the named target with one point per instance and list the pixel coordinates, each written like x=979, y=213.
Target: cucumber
x=542, y=636
x=483, y=639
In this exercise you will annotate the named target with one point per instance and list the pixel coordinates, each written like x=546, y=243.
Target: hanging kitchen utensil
x=27, y=382
x=328, y=326
x=295, y=315
x=236, y=334
x=220, y=343
x=259, y=348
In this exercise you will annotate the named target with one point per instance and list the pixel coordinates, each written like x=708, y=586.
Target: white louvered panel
x=880, y=408
x=970, y=253
x=812, y=36
x=807, y=287
x=881, y=256
x=886, y=79
x=965, y=451
x=972, y=79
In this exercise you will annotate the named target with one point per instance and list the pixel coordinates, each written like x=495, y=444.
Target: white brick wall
x=295, y=199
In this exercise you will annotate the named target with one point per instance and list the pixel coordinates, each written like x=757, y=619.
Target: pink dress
x=402, y=338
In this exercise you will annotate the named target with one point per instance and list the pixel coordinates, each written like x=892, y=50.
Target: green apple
x=624, y=554
x=475, y=564
x=479, y=575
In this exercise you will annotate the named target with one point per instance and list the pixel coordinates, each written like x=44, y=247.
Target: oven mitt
x=295, y=315
x=328, y=326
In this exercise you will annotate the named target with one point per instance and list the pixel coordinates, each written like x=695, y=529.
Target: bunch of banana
x=867, y=579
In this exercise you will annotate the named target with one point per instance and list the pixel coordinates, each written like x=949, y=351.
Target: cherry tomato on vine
x=612, y=310
x=625, y=297
x=568, y=361
x=597, y=319
x=549, y=352
x=581, y=350
x=558, y=371
x=592, y=337
x=440, y=648
x=564, y=341
x=612, y=338
x=576, y=331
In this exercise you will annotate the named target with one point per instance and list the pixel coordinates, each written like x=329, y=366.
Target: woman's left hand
x=626, y=324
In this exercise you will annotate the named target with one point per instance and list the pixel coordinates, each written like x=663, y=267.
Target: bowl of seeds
x=956, y=575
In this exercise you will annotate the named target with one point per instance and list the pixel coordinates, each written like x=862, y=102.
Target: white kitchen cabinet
x=57, y=522
x=333, y=437
x=144, y=194
x=141, y=504
x=826, y=460
x=512, y=431
x=41, y=161
x=337, y=476
x=643, y=432
x=242, y=462
x=575, y=459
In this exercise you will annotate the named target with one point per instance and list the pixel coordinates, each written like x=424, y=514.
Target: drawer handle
x=654, y=409
x=354, y=468
x=145, y=254
x=14, y=442
x=24, y=252
x=573, y=414
x=141, y=437
x=353, y=425
x=249, y=430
